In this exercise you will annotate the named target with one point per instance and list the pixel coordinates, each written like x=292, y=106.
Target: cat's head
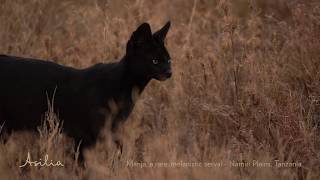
x=147, y=53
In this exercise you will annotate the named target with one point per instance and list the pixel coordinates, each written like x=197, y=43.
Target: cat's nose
x=168, y=73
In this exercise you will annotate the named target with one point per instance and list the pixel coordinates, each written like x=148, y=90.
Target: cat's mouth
x=164, y=76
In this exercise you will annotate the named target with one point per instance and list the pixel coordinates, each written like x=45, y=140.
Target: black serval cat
x=81, y=96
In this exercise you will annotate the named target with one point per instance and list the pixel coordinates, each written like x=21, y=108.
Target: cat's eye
x=169, y=61
x=155, y=61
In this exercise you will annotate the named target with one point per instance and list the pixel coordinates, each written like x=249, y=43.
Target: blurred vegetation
x=245, y=85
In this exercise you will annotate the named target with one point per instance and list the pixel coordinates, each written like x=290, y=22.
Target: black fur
x=81, y=97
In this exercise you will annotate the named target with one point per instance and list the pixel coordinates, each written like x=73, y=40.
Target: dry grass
x=246, y=86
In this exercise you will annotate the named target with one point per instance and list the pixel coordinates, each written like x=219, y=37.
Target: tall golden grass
x=246, y=86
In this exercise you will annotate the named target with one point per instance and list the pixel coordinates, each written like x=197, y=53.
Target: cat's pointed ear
x=142, y=34
x=162, y=33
